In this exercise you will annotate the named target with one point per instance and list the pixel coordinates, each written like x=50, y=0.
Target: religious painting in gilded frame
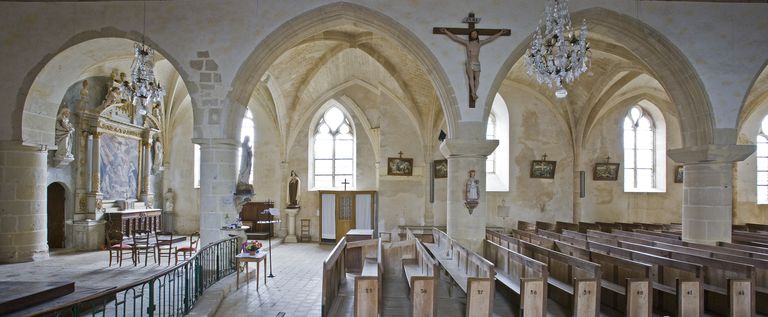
x=606, y=172
x=441, y=169
x=679, y=174
x=398, y=166
x=543, y=169
x=119, y=166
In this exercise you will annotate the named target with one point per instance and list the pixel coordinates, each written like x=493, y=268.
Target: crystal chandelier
x=558, y=53
x=146, y=90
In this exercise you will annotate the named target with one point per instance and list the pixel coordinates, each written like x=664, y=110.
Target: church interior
x=385, y=158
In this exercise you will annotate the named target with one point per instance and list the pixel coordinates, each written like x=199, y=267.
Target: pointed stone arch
x=312, y=22
x=660, y=57
x=39, y=98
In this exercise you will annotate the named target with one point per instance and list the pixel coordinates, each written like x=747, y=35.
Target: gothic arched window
x=333, y=150
x=248, y=128
x=762, y=163
x=644, y=147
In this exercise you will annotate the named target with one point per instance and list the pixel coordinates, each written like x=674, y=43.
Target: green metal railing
x=171, y=293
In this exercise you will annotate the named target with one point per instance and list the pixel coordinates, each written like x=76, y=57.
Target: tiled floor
x=295, y=290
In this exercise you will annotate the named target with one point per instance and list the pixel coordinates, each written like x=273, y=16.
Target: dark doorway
x=56, y=198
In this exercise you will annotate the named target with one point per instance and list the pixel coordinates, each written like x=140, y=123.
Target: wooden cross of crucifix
x=472, y=44
x=400, y=153
x=345, y=182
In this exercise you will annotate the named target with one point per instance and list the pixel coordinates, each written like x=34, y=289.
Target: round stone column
x=23, y=208
x=218, y=172
x=464, y=155
x=708, y=190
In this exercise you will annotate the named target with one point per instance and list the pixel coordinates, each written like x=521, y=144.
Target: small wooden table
x=245, y=257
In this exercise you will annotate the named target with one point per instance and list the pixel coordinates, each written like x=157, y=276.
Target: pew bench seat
x=411, y=268
x=370, y=268
x=561, y=285
x=511, y=283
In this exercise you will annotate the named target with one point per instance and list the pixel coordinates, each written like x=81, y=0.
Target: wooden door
x=345, y=213
x=56, y=200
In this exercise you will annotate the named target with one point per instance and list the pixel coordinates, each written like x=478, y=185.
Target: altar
x=128, y=221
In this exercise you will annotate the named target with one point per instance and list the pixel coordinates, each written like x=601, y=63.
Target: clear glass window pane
x=324, y=148
x=323, y=167
x=629, y=159
x=629, y=139
x=762, y=194
x=196, y=158
x=762, y=164
x=644, y=158
x=490, y=165
x=645, y=178
x=762, y=149
x=323, y=181
x=344, y=167
x=629, y=177
x=334, y=117
x=645, y=139
x=762, y=178
x=344, y=149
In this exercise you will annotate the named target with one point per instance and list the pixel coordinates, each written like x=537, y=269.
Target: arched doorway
x=56, y=207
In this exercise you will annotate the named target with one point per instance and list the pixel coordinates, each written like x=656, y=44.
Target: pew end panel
x=690, y=298
x=586, y=297
x=741, y=296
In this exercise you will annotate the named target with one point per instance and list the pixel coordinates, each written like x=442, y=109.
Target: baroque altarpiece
x=119, y=156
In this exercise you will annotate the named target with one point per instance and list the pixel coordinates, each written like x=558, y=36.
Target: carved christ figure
x=473, y=45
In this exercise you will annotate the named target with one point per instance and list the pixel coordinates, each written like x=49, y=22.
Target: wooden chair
x=143, y=245
x=116, y=247
x=192, y=248
x=304, y=233
x=165, y=246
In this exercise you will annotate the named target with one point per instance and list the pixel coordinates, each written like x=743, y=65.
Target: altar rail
x=172, y=292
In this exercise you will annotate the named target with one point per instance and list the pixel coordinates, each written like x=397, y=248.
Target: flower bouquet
x=251, y=246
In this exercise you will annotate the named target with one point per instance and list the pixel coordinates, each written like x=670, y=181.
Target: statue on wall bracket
x=471, y=192
x=64, y=130
x=244, y=176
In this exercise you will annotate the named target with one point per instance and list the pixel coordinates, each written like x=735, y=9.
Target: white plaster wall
x=534, y=131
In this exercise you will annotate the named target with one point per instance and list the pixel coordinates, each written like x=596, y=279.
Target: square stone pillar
x=23, y=208
x=218, y=172
x=708, y=190
x=463, y=156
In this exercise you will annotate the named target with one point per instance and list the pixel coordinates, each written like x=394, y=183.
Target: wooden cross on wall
x=345, y=182
x=471, y=20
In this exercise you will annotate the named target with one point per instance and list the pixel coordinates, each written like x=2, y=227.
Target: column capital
x=452, y=148
x=711, y=153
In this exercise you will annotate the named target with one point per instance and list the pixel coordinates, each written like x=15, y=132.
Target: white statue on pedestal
x=246, y=160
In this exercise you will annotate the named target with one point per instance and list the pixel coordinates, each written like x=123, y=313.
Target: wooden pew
x=584, y=226
x=630, y=280
x=669, y=276
x=756, y=227
x=545, y=226
x=522, y=275
x=525, y=226
x=717, y=271
x=472, y=273
x=422, y=273
x=560, y=226
x=368, y=294
x=574, y=282
x=334, y=274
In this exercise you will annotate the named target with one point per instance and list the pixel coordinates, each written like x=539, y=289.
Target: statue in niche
x=246, y=159
x=169, y=198
x=157, y=163
x=64, y=130
x=471, y=192
x=294, y=187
